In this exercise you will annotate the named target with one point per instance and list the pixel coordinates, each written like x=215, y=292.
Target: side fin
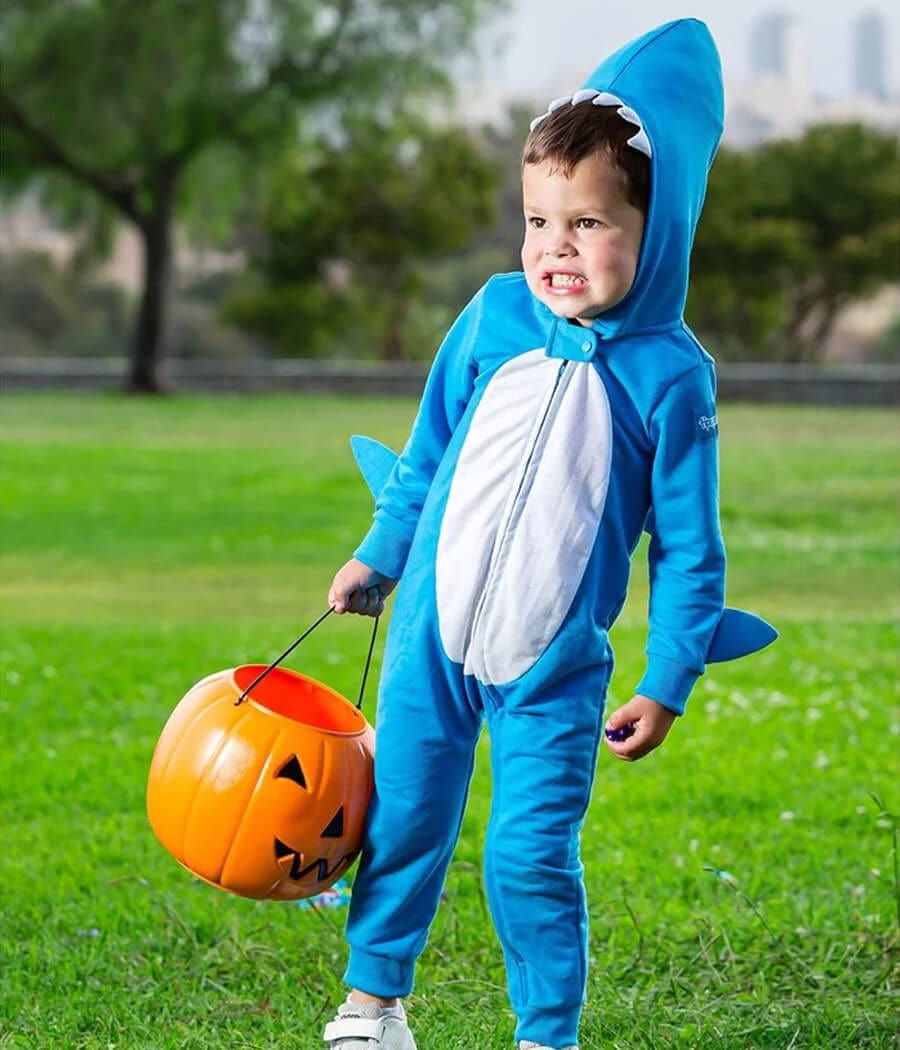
x=375, y=461
x=739, y=633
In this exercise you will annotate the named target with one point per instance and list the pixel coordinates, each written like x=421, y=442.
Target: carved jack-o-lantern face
x=266, y=798
x=325, y=867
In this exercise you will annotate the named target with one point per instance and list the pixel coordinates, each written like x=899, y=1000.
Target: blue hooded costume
x=540, y=452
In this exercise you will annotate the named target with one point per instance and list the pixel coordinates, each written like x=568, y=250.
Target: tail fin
x=739, y=633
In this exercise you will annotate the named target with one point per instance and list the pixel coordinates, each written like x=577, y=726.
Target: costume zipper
x=505, y=529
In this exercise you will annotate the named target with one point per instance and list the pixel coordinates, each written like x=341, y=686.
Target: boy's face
x=582, y=237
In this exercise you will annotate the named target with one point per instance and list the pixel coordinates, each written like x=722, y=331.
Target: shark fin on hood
x=668, y=84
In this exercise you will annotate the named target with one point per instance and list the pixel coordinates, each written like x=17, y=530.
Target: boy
x=568, y=408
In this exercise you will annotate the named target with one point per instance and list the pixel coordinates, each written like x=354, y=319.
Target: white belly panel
x=500, y=429
x=522, y=514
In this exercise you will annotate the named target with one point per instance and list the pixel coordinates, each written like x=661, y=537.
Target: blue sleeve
x=686, y=555
x=447, y=392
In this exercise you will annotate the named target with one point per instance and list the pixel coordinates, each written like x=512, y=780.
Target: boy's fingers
x=623, y=724
x=337, y=599
x=632, y=754
x=641, y=742
x=364, y=602
x=618, y=718
x=628, y=750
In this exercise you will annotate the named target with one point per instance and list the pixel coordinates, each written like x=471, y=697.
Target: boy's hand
x=642, y=724
x=358, y=589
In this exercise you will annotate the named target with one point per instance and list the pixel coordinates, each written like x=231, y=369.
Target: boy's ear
x=375, y=461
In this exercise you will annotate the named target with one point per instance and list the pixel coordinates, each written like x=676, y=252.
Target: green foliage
x=503, y=145
x=51, y=310
x=888, y=348
x=742, y=258
x=123, y=90
x=48, y=309
x=792, y=232
x=350, y=322
x=128, y=101
x=741, y=879
x=349, y=230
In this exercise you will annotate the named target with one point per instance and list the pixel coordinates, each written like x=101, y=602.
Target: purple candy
x=622, y=733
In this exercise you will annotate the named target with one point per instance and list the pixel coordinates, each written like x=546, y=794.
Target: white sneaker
x=363, y=1026
x=526, y=1044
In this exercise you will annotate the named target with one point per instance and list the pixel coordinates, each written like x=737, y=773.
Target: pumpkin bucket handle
x=293, y=646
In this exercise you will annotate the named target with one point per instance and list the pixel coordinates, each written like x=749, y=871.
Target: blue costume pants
x=543, y=756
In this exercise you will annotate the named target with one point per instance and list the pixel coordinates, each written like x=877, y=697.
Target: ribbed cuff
x=380, y=976
x=667, y=682
x=385, y=548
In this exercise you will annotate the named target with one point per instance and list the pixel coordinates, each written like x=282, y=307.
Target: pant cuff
x=548, y=1029
x=379, y=975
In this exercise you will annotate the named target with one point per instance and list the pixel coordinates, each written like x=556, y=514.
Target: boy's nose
x=559, y=250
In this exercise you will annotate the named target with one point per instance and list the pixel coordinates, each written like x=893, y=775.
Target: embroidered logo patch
x=708, y=426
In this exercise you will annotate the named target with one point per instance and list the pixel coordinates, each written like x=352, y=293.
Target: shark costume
x=540, y=452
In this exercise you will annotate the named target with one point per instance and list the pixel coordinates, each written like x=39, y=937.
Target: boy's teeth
x=565, y=280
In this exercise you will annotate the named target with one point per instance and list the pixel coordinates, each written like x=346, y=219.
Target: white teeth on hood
x=638, y=141
x=641, y=143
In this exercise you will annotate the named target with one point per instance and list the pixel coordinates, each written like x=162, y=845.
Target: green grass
x=742, y=879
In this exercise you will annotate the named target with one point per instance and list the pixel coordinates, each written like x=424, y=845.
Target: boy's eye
x=588, y=224
x=536, y=222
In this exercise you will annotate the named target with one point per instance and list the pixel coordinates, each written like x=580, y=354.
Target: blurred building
x=778, y=91
x=777, y=100
x=869, y=55
x=775, y=48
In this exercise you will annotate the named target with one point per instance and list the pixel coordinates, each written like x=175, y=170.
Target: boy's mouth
x=563, y=281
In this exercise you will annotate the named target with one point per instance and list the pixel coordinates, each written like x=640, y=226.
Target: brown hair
x=569, y=134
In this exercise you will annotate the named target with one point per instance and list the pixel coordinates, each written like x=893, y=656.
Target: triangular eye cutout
x=336, y=828
x=282, y=850
x=291, y=771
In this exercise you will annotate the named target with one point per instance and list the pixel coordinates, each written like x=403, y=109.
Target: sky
x=544, y=48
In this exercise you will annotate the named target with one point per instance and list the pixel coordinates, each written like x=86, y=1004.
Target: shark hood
x=669, y=84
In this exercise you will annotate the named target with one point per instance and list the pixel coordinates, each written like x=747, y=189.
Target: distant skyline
x=541, y=48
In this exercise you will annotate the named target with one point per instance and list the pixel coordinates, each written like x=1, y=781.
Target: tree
x=742, y=260
x=129, y=102
x=371, y=205
x=842, y=187
x=791, y=233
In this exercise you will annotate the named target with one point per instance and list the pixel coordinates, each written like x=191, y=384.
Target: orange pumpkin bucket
x=260, y=782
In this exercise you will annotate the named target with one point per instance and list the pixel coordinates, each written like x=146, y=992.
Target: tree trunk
x=830, y=308
x=393, y=346
x=149, y=332
x=810, y=328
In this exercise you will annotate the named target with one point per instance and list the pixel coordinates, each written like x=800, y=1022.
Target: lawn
x=743, y=879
